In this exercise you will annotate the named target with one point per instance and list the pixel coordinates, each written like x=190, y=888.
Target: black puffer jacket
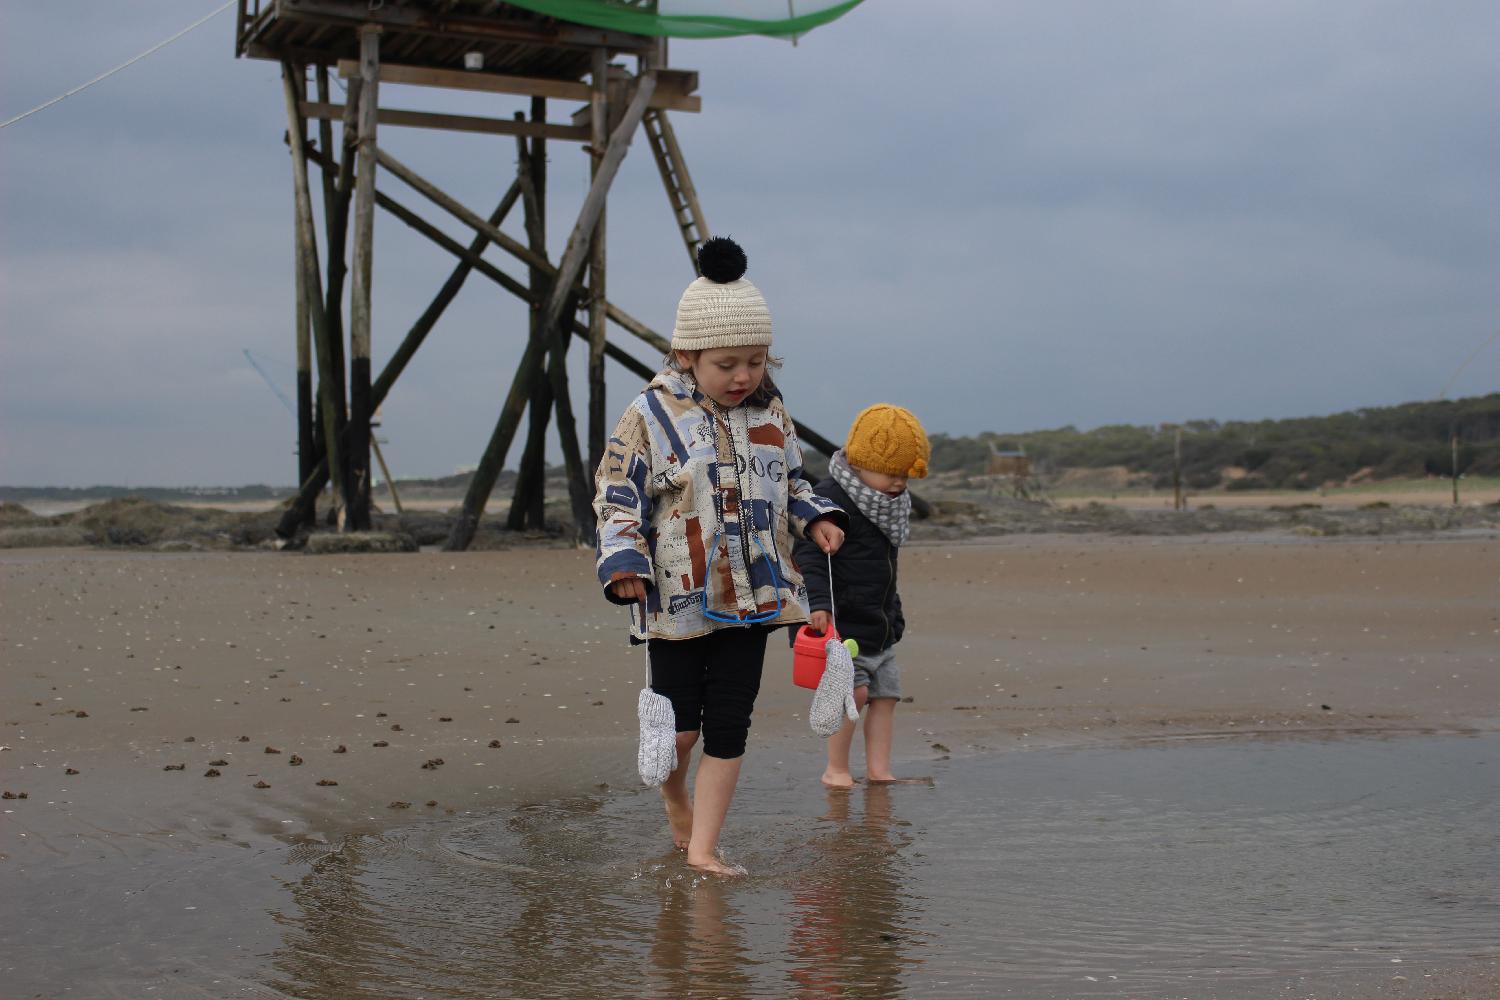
x=864, y=576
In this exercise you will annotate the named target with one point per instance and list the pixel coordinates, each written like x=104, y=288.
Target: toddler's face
x=727, y=375
x=891, y=486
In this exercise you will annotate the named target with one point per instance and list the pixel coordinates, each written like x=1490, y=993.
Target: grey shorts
x=879, y=672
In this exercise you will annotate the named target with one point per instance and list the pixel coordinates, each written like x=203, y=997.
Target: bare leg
x=674, y=793
x=879, y=723
x=713, y=790
x=837, y=775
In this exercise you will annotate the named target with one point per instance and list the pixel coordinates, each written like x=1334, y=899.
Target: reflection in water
x=555, y=900
x=1233, y=870
x=846, y=930
x=698, y=941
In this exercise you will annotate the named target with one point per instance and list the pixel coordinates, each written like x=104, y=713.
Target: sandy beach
x=163, y=702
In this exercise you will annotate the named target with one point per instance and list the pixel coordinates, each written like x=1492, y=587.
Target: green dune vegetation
x=1410, y=441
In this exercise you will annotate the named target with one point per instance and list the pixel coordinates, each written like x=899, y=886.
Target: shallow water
x=1181, y=868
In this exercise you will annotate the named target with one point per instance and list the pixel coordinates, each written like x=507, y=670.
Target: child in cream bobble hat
x=699, y=496
x=867, y=478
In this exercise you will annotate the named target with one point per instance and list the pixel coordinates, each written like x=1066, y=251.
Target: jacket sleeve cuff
x=835, y=515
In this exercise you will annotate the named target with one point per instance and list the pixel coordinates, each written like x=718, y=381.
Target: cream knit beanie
x=721, y=309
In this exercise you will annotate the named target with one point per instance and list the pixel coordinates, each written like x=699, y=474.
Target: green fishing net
x=696, y=18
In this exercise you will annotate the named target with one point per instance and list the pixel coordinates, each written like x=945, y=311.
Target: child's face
x=727, y=375
x=891, y=486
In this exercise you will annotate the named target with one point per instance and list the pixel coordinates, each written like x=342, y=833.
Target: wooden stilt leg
x=528, y=504
x=360, y=319
x=599, y=117
x=307, y=458
x=494, y=453
x=332, y=417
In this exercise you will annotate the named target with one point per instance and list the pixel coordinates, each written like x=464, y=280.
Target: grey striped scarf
x=892, y=515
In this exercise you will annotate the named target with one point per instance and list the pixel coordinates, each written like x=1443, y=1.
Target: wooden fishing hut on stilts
x=488, y=47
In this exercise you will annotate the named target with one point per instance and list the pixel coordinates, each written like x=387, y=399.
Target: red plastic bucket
x=810, y=656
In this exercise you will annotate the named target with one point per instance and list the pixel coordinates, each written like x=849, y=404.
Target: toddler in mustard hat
x=886, y=447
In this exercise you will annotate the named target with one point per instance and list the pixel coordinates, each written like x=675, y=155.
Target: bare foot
x=838, y=779
x=716, y=865
x=680, y=816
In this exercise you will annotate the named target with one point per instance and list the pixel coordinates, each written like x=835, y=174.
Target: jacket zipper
x=890, y=573
x=739, y=488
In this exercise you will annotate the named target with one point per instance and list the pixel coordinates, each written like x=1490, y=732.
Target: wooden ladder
x=679, y=185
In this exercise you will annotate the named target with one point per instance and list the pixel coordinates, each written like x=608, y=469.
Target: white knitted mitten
x=834, y=698
x=657, y=757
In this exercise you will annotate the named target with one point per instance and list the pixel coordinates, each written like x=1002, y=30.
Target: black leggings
x=712, y=681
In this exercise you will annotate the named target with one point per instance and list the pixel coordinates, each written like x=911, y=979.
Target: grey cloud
x=1005, y=216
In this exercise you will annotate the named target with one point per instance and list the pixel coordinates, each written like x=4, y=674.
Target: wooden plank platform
x=433, y=34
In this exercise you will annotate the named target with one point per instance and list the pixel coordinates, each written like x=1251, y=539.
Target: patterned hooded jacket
x=702, y=502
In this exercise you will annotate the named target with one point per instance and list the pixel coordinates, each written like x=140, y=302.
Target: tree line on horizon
x=1405, y=441
x=1392, y=442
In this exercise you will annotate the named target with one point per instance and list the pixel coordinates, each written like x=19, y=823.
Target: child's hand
x=632, y=589
x=819, y=621
x=827, y=536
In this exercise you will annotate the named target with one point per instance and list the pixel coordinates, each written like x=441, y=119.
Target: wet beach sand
x=192, y=731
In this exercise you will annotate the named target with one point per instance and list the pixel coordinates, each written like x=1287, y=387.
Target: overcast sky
x=1005, y=216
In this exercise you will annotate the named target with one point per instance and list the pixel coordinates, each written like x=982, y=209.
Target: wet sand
x=484, y=681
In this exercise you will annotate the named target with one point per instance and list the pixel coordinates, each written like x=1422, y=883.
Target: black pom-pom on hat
x=721, y=260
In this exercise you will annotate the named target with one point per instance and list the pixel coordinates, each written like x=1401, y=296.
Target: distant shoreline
x=427, y=494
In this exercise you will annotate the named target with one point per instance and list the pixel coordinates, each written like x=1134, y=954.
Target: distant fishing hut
x=544, y=50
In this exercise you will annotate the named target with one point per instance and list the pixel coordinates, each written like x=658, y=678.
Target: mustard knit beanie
x=721, y=309
x=888, y=439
